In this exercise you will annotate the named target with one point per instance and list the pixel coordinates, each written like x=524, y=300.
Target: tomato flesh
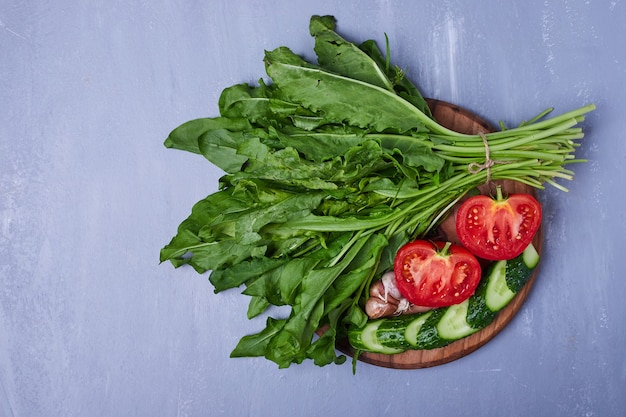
x=436, y=274
x=498, y=229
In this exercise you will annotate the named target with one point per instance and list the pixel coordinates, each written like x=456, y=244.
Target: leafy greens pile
x=329, y=169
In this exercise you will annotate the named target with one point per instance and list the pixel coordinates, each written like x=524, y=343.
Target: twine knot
x=475, y=167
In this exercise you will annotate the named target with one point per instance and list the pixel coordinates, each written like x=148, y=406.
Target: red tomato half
x=500, y=228
x=436, y=274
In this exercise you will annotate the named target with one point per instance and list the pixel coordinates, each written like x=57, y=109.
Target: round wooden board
x=460, y=120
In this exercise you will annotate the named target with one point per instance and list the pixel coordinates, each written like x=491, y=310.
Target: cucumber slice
x=391, y=333
x=478, y=314
x=414, y=327
x=428, y=335
x=498, y=294
x=520, y=269
x=530, y=256
x=453, y=325
x=366, y=339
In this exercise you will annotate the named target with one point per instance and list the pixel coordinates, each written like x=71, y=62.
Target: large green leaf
x=337, y=55
x=341, y=99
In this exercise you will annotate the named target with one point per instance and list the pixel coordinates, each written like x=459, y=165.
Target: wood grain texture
x=460, y=120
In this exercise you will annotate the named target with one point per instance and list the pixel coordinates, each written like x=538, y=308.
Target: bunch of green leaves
x=329, y=169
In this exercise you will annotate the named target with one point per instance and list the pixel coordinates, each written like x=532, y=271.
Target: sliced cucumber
x=402, y=331
x=391, y=333
x=428, y=336
x=520, y=269
x=414, y=327
x=530, y=256
x=478, y=314
x=366, y=339
x=498, y=294
x=453, y=325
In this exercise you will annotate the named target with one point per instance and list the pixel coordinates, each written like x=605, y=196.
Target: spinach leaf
x=319, y=145
x=220, y=146
x=242, y=272
x=246, y=101
x=341, y=99
x=185, y=137
x=292, y=342
x=337, y=55
x=401, y=84
x=257, y=344
x=415, y=152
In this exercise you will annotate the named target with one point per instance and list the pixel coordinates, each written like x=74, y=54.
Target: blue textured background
x=92, y=325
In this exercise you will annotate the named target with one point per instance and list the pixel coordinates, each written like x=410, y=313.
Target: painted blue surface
x=92, y=325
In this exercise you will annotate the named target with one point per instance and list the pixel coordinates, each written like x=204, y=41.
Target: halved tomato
x=498, y=229
x=436, y=274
